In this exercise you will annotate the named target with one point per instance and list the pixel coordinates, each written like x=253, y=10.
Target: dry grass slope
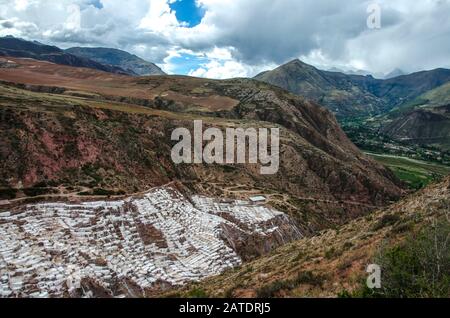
x=335, y=260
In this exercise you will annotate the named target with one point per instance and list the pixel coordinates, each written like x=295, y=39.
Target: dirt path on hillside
x=75, y=196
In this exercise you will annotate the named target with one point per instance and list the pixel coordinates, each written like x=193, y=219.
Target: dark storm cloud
x=7, y=24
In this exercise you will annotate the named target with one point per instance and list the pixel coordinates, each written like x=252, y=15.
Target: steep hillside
x=71, y=130
x=334, y=261
x=424, y=120
x=14, y=47
x=130, y=63
x=425, y=126
x=334, y=90
x=435, y=97
x=353, y=95
x=399, y=90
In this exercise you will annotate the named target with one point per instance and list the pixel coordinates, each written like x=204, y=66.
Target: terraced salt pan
x=53, y=249
x=243, y=211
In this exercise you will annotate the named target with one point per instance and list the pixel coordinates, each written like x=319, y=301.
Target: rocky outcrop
x=245, y=239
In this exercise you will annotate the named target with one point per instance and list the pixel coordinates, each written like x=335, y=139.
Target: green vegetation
x=418, y=268
x=92, y=172
x=365, y=133
x=197, y=293
x=101, y=192
x=35, y=191
x=386, y=220
x=333, y=253
x=8, y=193
x=417, y=174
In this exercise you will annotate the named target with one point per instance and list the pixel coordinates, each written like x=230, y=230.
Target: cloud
x=219, y=63
x=219, y=70
x=242, y=37
x=420, y=41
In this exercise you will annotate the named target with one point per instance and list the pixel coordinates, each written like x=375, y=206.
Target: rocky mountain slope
x=436, y=97
x=334, y=262
x=424, y=126
x=352, y=95
x=126, y=61
x=424, y=120
x=420, y=122
x=14, y=47
x=399, y=90
x=334, y=90
x=71, y=131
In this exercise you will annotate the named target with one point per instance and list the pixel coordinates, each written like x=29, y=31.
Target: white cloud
x=220, y=70
x=241, y=37
x=20, y=5
x=159, y=18
x=222, y=65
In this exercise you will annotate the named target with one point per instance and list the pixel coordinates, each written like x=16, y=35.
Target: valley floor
x=415, y=173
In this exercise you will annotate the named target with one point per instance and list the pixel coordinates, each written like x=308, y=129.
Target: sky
x=240, y=38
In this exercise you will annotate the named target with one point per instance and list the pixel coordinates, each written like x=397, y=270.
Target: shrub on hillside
x=418, y=268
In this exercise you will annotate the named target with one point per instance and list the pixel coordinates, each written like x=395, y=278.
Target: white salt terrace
x=246, y=214
x=49, y=250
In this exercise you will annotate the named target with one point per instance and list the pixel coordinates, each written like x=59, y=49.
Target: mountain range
x=14, y=47
x=406, y=108
x=425, y=126
x=87, y=179
x=76, y=128
x=126, y=61
x=353, y=95
x=103, y=59
x=395, y=73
